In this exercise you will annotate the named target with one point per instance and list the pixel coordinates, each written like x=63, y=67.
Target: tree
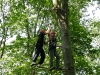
x=24, y=18
x=62, y=16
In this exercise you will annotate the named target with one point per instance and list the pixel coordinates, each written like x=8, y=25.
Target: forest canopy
x=21, y=21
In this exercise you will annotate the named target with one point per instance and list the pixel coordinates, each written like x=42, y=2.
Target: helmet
x=52, y=32
x=42, y=31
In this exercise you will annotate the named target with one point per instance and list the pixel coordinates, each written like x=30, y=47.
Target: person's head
x=52, y=33
x=43, y=32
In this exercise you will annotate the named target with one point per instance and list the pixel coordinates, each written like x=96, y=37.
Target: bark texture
x=62, y=16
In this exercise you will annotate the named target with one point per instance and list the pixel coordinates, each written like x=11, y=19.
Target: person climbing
x=52, y=50
x=39, y=48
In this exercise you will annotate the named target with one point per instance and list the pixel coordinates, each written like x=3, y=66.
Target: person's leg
x=35, y=57
x=42, y=54
x=57, y=59
x=51, y=54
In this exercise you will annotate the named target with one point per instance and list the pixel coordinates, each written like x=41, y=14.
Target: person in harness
x=39, y=48
x=52, y=50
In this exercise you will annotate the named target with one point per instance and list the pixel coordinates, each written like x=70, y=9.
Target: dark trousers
x=53, y=53
x=39, y=51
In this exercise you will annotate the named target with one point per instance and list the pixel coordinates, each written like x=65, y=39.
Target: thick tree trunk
x=62, y=16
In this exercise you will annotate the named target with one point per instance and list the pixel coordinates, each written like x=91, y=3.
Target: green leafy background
x=24, y=18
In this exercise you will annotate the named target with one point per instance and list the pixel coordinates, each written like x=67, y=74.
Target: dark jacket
x=52, y=43
x=40, y=40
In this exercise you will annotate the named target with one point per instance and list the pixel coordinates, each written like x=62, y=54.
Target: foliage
x=24, y=19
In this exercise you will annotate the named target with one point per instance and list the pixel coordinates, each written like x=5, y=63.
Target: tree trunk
x=62, y=16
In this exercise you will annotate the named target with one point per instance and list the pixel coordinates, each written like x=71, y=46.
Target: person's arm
x=48, y=30
x=48, y=33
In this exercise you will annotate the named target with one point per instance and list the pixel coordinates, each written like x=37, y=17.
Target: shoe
x=57, y=68
x=52, y=68
x=39, y=65
x=33, y=63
